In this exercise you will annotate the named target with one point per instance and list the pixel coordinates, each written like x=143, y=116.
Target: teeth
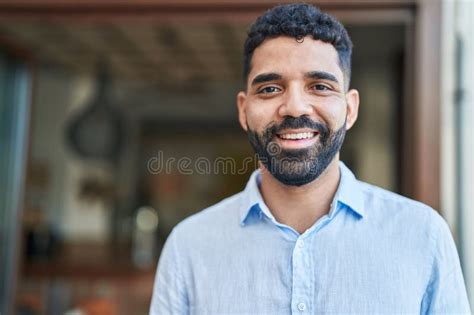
x=297, y=136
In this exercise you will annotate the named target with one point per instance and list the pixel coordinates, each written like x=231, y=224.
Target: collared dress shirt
x=375, y=252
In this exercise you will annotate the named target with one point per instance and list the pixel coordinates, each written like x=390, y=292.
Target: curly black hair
x=299, y=20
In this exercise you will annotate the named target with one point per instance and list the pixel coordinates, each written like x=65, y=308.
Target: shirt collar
x=349, y=193
x=251, y=199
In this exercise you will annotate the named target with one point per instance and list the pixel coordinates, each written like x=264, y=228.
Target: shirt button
x=301, y=306
x=301, y=243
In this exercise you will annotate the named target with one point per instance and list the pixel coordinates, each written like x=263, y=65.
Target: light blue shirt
x=374, y=252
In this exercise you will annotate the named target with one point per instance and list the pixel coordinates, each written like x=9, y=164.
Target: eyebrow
x=266, y=77
x=321, y=75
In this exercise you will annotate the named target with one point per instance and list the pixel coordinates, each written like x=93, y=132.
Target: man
x=305, y=236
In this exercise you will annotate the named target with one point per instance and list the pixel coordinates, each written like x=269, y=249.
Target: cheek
x=259, y=116
x=333, y=112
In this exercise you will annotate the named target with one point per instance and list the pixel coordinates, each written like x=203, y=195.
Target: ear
x=352, y=101
x=241, y=107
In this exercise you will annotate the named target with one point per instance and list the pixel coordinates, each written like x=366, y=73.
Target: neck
x=300, y=207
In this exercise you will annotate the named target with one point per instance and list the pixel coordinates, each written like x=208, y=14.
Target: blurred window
x=14, y=89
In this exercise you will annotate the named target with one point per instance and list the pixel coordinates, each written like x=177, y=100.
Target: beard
x=297, y=167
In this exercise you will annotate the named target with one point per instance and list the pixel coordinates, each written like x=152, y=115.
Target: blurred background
x=91, y=92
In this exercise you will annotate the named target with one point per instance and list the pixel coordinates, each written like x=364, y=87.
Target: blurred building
x=118, y=119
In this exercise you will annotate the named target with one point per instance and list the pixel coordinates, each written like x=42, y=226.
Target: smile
x=297, y=136
x=297, y=139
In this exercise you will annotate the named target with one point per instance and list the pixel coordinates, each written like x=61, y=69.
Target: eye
x=269, y=90
x=321, y=87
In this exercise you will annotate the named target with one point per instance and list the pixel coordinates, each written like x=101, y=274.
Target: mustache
x=297, y=123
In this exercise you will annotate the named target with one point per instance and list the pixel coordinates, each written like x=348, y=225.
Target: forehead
x=287, y=57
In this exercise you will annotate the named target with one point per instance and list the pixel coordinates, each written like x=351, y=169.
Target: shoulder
x=209, y=221
x=385, y=204
x=222, y=210
x=416, y=227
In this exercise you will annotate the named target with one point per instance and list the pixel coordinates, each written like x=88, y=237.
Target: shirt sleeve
x=169, y=292
x=446, y=291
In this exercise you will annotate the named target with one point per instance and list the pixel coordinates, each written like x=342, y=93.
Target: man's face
x=295, y=109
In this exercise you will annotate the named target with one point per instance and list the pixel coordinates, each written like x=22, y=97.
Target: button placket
x=301, y=281
x=301, y=306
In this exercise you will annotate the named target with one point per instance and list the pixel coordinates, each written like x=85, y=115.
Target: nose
x=295, y=103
